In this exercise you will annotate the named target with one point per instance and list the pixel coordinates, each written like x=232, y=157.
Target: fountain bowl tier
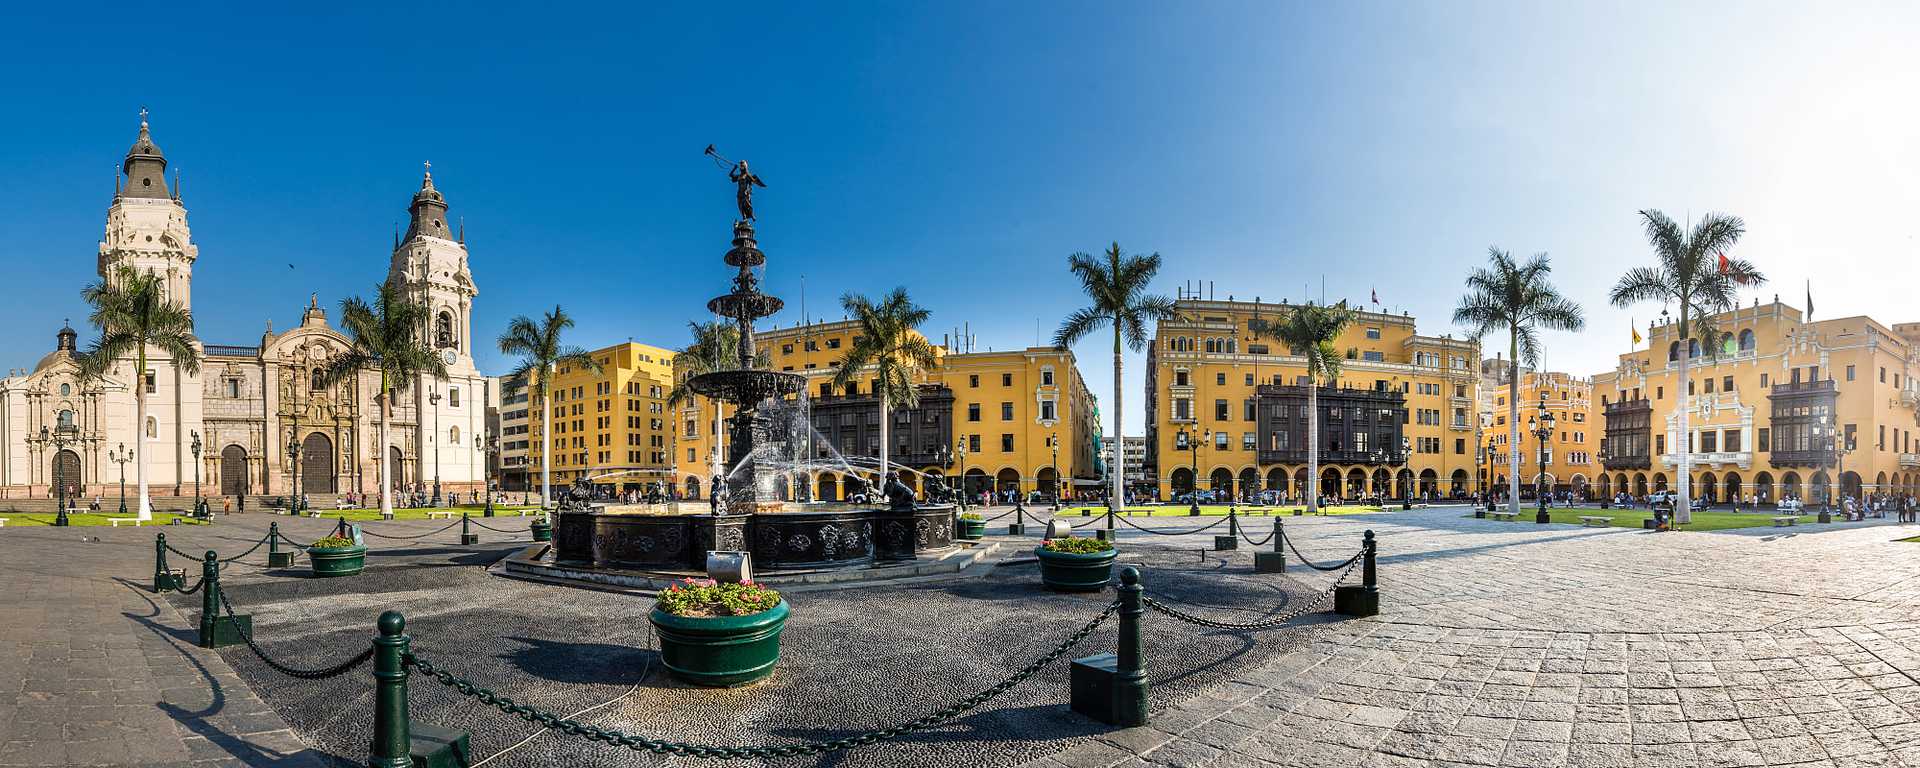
x=801, y=537
x=754, y=305
x=747, y=387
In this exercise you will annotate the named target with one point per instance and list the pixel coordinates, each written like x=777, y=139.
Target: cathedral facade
x=259, y=413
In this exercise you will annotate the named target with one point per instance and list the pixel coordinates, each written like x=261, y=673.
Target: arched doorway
x=1459, y=483
x=693, y=487
x=976, y=481
x=397, y=464
x=828, y=488
x=1181, y=481
x=1640, y=484
x=1731, y=487
x=233, y=471
x=1302, y=483
x=316, y=464
x=1820, y=488
x=1249, y=482
x=1790, y=486
x=1659, y=481
x=1330, y=482
x=1850, y=484
x=855, y=486
x=1708, y=490
x=1047, y=482
x=66, y=474
x=1430, y=482
x=1356, y=482
x=1580, y=486
x=1007, y=480
x=1606, y=486
x=1763, y=486
x=1277, y=480
x=1382, y=483
x=1220, y=481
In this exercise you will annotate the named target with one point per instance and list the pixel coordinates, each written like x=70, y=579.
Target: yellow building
x=1230, y=408
x=988, y=415
x=1772, y=412
x=1784, y=409
x=612, y=426
x=1572, y=451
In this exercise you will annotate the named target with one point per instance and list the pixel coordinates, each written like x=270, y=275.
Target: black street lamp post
x=960, y=450
x=59, y=439
x=1193, y=466
x=1053, y=442
x=1406, y=473
x=488, y=448
x=1541, y=425
x=1491, y=488
x=433, y=398
x=199, y=506
x=121, y=456
x=293, y=488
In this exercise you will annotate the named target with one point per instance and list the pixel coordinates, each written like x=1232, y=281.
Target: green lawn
x=1631, y=518
x=402, y=513
x=23, y=519
x=1215, y=510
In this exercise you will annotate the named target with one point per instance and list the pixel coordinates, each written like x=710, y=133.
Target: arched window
x=1746, y=340
x=453, y=436
x=1233, y=345
x=153, y=427
x=1673, y=351
x=66, y=419
x=443, y=330
x=1693, y=347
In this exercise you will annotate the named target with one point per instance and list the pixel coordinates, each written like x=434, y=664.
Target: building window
x=1180, y=378
x=453, y=436
x=1849, y=373
x=1006, y=411
x=1220, y=441
x=1220, y=410
x=973, y=380
x=1006, y=379
x=1046, y=410
x=833, y=343
x=1220, y=379
x=973, y=411
x=453, y=397
x=1373, y=356
x=1373, y=333
x=153, y=427
x=1046, y=377
x=1006, y=443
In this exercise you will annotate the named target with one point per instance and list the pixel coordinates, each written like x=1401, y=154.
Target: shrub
x=705, y=597
x=1077, y=546
x=333, y=542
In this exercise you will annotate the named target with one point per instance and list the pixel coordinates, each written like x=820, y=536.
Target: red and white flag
x=1723, y=262
x=1376, y=295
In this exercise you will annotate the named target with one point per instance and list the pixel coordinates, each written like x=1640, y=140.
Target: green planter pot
x=972, y=529
x=720, y=651
x=1071, y=572
x=542, y=531
x=337, y=561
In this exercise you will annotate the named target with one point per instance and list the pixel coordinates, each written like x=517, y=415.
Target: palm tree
x=1517, y=298
x=1118, y=286
x=713, y=349
x=1309, y=331
x=132, y=312
x=541, y=354
x=1692, y=271
x=385, y=336
x=890, y=350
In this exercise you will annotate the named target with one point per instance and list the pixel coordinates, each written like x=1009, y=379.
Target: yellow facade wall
x=612, y=427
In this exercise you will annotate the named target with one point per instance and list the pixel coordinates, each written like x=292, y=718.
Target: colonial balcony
x=1628, y=462
x=1299, y=456
x=1743, y=459
x=1797, y=387
x=1808, y=459
x=1910, y=461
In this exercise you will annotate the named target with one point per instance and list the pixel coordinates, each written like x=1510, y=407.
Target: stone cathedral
x=250, y=405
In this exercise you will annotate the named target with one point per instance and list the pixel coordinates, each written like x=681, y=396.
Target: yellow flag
x=1636, y=333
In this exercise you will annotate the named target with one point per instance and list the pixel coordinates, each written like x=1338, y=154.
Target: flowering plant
x=708, y=598
x=333, y=542
x=1076, y=545
x=971, y=517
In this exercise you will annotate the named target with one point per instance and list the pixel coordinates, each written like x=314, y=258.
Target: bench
x=433, y=513
x=1785, y=520
x=1506, y=516
x=1587, y=520
x=3, y=522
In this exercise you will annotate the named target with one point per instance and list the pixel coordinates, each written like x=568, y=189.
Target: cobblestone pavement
x=1504, y=644
x=1498, y=644
x=95, y=670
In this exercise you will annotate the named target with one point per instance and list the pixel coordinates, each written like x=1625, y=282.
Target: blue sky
x=965, y=149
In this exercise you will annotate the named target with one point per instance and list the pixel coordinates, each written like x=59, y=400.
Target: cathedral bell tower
x=147, y=224
x=430, y=266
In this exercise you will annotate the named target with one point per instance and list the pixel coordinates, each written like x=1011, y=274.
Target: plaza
x=1496, y=644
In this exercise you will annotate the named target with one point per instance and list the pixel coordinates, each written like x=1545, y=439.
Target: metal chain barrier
x=196, y=587
x=304, y=674
x=1250, y=540
x=410, y=538
x=1137, y=526
x=477, y=523
x=1310, y=607
x=998, y=516
x=1087, y=522
x=656, y=746
x=256, y=545
x=1348, y=563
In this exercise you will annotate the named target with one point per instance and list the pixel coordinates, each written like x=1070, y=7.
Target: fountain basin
x=832, y=536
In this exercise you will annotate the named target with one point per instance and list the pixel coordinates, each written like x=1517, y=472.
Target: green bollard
x=1232, y=539
x=1362, y=599
x=216, y=630
x=467, y=536
x=392, y=729
x=1275, y=561
x=1019, y=525
x=1112, y=687
x=163, y=578
x=275, y=557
